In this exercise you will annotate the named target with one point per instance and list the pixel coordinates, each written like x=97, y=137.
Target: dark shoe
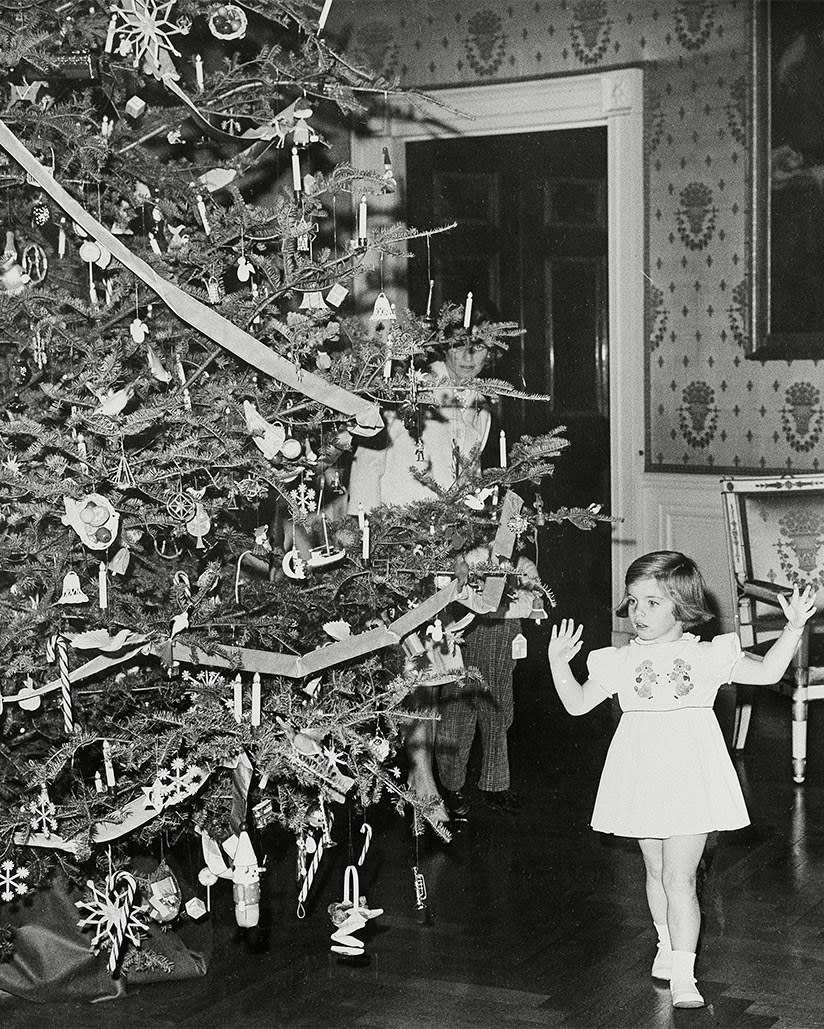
x=457, y=803
x=501, y=800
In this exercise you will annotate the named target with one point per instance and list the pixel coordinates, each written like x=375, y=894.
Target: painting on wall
x=788, y=182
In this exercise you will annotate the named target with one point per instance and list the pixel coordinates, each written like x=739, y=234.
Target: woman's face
x=466, y=362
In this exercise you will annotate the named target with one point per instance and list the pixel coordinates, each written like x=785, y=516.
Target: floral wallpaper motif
x=590, y=31
x=699, y=414
x=485, y=42
x=694, y=23
x=709, y=408
x=696, y=215
x=802, y=416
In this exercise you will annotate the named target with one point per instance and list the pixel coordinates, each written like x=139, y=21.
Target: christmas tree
x=195, y=638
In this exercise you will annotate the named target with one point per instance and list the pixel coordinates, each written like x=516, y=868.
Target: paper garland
x=268, y=662
x=140, y=811
x=206, y=320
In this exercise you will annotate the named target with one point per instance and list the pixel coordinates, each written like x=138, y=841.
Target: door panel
x=531, y=245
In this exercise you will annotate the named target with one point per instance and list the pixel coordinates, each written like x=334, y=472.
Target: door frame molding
x=609, y=98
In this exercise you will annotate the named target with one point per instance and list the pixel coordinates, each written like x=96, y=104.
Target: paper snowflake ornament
x=146, y=29
x=174, y=784
x=112, y=915
x=42, y=812
x=13, y=881
x=303, y=497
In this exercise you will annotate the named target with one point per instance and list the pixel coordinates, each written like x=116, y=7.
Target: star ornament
x=145, y=26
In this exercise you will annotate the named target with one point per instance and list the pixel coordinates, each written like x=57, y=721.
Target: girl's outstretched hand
x=564, y=641
x=799, y=608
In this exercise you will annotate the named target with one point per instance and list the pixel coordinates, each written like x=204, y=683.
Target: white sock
x=664, y=941
x=683, y=966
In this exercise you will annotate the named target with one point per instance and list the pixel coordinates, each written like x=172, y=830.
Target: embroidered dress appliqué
x=645, y=679
x=680, y=677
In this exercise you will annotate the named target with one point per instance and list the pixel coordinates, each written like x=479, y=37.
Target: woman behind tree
x=382, y=473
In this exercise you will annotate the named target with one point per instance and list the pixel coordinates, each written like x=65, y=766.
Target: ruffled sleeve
x=725, y=652
x=601, y=667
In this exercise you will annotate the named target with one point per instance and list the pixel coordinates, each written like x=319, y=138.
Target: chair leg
x=799, y=734
x=741, y=725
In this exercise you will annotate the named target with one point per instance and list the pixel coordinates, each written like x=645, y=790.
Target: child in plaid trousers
x=467, y=708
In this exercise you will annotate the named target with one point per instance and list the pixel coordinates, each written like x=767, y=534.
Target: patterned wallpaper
x=708, y=407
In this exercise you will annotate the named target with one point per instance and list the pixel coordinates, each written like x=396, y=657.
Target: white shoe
x=662, y=965
x=685, y=994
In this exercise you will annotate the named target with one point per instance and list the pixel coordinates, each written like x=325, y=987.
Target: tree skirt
x=52, y=961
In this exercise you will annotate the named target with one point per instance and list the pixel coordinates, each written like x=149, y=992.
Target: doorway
x=531, y=244
x=608, y=98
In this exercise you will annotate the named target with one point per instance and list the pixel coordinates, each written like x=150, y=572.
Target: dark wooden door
x=531, y=245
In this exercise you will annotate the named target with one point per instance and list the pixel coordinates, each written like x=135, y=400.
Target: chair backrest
x=775, y=534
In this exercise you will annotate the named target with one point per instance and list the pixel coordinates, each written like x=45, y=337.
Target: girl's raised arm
x=752, y=670
x=564, y=644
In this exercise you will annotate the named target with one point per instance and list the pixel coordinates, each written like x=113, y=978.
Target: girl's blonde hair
x=679, y=577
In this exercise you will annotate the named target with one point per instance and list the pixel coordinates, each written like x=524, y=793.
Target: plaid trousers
x=467, y=707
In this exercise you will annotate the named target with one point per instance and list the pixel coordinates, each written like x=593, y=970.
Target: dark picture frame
x=788, y=180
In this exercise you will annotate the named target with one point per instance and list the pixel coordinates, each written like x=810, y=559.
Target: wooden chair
x=775, y=539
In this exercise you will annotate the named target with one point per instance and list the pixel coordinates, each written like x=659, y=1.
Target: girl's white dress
x=667, y=772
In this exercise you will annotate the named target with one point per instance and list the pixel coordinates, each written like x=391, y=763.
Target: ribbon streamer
x=219, y=329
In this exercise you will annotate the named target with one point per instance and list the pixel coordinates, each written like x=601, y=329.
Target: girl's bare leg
x=682, y=855
x=653, y=854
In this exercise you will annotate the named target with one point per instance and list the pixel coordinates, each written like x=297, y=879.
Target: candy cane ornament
x=310, y=877
x=366, y=829
x=125, y=901
x=65, y=684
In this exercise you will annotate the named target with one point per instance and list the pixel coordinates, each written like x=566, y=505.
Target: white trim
x=610, y=98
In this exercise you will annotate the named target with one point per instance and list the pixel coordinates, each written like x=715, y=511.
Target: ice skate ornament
x=350, y=916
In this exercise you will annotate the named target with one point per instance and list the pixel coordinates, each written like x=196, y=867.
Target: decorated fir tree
x=194, y=638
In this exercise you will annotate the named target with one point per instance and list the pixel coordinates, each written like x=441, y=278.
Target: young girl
x=668, y=780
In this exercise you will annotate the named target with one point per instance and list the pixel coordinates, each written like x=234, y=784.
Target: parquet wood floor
x=537, y=921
